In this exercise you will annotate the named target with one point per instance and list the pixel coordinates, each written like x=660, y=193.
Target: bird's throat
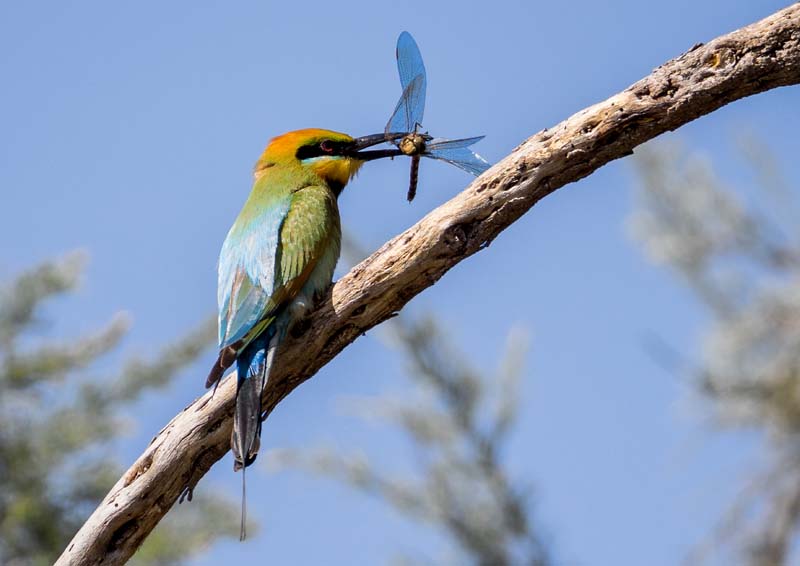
x=336, y=172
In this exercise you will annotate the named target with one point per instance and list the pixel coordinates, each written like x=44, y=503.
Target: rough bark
x=760, y=57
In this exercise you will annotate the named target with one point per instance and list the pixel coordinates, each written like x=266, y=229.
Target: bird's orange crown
x=307, y=148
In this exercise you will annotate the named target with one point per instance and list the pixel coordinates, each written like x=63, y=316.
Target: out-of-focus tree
x=58, y=421
x=458, y=420
x=742, y=260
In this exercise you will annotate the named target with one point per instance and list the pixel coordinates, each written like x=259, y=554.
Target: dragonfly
x=403, y=128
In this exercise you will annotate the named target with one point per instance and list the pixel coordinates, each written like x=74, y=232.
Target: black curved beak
x=354, y=150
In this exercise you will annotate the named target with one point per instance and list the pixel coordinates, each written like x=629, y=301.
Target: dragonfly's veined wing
x=411, y=107
x=457, y=152
x=408, y=112
x=409, y=62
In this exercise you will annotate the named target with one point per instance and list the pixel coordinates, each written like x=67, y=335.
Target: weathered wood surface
x=760, y=57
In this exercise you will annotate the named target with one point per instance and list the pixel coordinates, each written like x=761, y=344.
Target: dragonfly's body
x=407, y=119
x=413, y=145
x=413, y=178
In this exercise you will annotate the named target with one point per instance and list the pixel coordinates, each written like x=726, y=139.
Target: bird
x=277, y=260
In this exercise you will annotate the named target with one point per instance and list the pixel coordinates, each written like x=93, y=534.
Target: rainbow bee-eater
x=278, y=257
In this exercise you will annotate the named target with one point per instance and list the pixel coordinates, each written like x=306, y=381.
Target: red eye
x=326, y=146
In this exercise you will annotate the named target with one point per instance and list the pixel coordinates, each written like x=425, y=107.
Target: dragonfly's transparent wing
x=409, y=61
x=411, y=106
x=457, y=152
x=408, y=112
x=443, y=143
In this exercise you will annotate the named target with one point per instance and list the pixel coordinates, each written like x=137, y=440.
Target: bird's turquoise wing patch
x=247, y=270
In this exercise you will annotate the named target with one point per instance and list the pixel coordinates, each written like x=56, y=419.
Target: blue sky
x=131, y=131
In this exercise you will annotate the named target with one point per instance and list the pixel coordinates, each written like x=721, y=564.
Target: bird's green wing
x=247, y=262
x=310, y=234
x=268, y=256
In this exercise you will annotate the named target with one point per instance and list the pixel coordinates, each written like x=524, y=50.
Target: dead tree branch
x=760, y=57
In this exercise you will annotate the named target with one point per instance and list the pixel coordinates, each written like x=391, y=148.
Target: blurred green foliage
x=58, y=421
x=737, y=248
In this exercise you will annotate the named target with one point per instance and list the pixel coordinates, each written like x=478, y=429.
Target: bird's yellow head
x=332, y=156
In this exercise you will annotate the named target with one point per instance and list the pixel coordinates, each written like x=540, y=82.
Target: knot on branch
x=455, y=238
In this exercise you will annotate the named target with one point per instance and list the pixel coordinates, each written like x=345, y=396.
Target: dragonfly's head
x=413, y=143
x=332, y=156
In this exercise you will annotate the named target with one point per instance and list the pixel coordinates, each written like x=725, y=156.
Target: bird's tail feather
x=243, y=525
x=252, y=376
x=253, y=366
